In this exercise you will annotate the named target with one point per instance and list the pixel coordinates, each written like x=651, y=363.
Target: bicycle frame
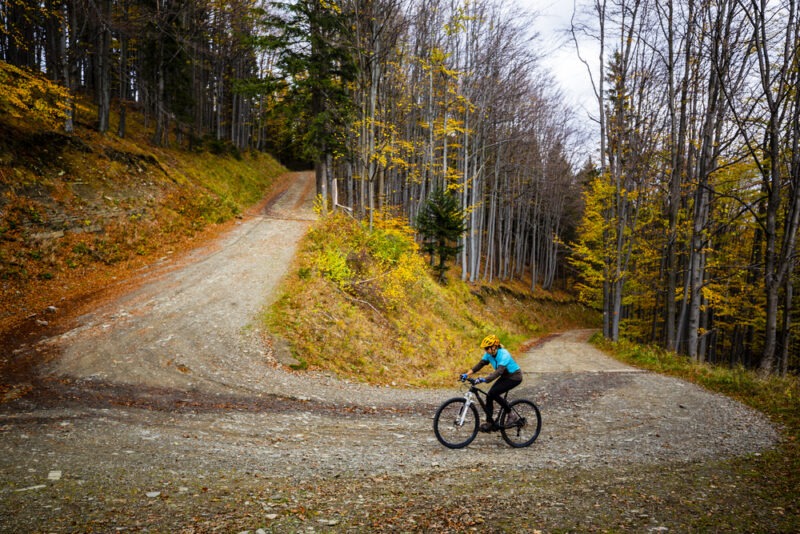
x=474, y=393
x=457, y=429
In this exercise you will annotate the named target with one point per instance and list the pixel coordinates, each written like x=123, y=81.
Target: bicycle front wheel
x=520, y=426
x=456, y=424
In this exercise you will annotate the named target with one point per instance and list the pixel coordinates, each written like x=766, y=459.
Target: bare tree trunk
x=786, y=328
x=124, y=78
x=774, y=37
x=678, y=126
x=65, y=65
x=103, y=83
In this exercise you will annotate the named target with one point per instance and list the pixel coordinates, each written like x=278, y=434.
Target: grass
x=362, y=303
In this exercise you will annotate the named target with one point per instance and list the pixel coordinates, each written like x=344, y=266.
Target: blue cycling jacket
x=503, y=358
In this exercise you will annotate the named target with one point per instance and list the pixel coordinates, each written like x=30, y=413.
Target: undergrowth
x=362, y=303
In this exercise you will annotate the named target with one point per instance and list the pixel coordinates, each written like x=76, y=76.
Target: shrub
x=365, y=306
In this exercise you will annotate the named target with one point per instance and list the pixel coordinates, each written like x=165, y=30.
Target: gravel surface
x=173, y=380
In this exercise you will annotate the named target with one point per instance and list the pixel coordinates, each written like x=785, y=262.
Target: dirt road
x=167, y=411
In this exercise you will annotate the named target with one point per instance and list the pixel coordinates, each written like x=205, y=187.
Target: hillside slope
x=80, y=211
x=363, y=303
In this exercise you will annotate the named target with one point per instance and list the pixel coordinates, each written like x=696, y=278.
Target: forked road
x=174, y=378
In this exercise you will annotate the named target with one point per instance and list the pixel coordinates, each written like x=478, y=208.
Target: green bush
x=332, y=264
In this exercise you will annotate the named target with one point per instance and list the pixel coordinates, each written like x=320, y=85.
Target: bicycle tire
x=446, y=427
x=526, y=428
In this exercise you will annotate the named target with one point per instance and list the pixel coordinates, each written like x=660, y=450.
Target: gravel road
x=175, y=381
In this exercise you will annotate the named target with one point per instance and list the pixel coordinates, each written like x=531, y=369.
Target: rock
x=44, y=236
x=29, y=488
x=282, y=353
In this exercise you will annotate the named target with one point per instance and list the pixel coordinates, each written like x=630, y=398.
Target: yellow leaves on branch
x=331, y=6
x=29, y=96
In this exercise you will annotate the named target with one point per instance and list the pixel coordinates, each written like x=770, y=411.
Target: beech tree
x=774, y=42
x=715, y=154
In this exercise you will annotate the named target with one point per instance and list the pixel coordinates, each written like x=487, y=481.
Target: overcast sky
x=552, y=22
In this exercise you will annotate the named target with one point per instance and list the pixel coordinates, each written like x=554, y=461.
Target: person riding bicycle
x=506, y=370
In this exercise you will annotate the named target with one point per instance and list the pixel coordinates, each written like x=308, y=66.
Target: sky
x=559, y=55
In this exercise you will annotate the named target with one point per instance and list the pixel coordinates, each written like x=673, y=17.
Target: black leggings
x=500, y=386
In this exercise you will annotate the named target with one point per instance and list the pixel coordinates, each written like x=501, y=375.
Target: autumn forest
x=681, y=227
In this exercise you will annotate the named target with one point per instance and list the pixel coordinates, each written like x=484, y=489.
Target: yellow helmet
x=490, y=341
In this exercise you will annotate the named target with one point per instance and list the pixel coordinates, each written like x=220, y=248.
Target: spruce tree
x=441, y=223
x=314, y=44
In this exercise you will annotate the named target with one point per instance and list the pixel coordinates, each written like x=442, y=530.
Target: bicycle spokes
x=456, y=423
x=525, y=429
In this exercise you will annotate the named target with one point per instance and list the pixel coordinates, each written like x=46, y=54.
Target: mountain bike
x=457, y=421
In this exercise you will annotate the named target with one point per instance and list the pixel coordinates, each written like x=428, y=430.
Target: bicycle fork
x=468, y=401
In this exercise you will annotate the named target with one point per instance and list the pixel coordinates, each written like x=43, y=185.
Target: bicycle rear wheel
x=520, y=426
x=454, y=424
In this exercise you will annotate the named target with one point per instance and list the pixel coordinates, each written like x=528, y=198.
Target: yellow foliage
x=390, y=321
x=591, y=253
x=31, y=96
x=330, y=5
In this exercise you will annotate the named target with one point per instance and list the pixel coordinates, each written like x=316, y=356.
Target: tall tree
x=775, y=38
x=441, y=224
x=312, y=38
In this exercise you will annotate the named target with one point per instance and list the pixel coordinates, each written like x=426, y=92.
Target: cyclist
x=506, y=370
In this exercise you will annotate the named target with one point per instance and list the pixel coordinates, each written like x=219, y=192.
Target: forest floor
x=165, y=409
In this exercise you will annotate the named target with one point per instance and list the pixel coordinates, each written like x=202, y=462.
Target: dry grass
x=361, y=303
x=80, y=211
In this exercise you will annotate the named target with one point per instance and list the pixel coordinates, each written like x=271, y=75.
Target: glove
x=463, y=377
x=480, y=380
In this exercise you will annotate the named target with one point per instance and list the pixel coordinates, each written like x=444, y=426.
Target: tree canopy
x=689, y=238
